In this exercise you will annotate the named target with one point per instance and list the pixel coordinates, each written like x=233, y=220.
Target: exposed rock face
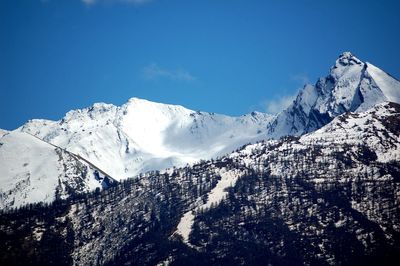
x=328, y=197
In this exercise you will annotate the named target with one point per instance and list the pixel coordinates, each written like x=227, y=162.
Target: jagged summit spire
x=347, y=59
x=344, y=63
x=346, y=55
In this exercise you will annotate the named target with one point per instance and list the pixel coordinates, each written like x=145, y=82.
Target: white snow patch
x=215, y=196
x=185, y=226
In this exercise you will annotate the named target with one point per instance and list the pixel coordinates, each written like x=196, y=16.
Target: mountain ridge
x=162, y=128
x=141, y=135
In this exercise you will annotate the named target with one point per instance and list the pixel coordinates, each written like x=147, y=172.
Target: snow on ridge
x=372, y=128
x=33, y=171
x=135, y=101
x=364, y=128
x=3, y=132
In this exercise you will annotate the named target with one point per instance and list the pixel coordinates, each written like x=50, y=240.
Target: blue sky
x=228, y=57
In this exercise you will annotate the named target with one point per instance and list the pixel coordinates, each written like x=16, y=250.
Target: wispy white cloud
x=303, y=79
x=89, y=2
x=279, y=103
x=133, y=2
x=154, y=71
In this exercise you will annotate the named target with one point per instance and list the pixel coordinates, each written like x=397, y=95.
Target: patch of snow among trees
x=214, y=197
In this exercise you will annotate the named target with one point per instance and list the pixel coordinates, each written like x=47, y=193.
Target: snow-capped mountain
x=35, y=171
x=329, y=197
x=142, y=135
x=351, y=86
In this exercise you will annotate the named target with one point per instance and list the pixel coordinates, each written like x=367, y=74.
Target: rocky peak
x=351, y=85
x=347, y=58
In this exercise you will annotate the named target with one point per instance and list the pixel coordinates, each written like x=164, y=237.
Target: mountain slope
x=329, y=198
x=35, y=171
